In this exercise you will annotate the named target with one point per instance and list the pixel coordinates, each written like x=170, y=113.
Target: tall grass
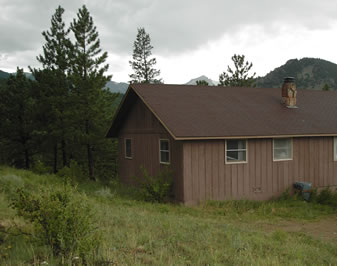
x=141, y=233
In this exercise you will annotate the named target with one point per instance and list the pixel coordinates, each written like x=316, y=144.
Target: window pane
x=282, y=143
x=233, y=156
x=128, y=151
x=282, y=154
x=164, y=157
x=236, y=144
x=164, y=145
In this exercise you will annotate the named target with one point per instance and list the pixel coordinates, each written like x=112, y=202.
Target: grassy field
x=214, y=233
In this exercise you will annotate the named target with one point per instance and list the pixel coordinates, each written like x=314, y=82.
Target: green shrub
x=156, y=188
x=40, y=168
x=62, y=219
x=73, y=173
x=327, y=197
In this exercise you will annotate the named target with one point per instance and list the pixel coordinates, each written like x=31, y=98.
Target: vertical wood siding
x=145, y=131
x=206, y=176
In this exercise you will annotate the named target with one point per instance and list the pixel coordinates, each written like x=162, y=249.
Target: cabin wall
x=145, y=131
x=206, y=176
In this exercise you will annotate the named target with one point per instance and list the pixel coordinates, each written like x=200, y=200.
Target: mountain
x=309, y=73
x=210, y=82
x=112, y=85
x=4, y=75
x=117, y=86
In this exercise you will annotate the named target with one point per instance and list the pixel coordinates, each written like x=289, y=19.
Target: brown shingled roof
x=188, y=111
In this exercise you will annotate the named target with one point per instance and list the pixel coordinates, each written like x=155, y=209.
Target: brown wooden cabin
x=228, y=143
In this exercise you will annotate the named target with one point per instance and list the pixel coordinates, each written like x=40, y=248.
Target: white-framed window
x=128, y=148
x=335, y=148
x=236, y=151
x=164, y=151
x=282, y=149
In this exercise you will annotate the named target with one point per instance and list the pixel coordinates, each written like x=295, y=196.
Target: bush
x=326, y=197
x=72, y=173
x=62, y=219
x=156, y=188
x=40, y=168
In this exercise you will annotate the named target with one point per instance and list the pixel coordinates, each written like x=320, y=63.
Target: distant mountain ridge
x=120, y=87
x=4, y=75
x=113, y=86
x=309, y=73
x=208, y=80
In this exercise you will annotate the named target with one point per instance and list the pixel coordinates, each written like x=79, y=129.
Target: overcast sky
x=190, y=37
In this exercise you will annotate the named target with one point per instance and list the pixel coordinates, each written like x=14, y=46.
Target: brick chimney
x=289, y=92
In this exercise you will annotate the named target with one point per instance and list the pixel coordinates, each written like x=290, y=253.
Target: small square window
x=282, y=149
x=236, y=151
x=164, y=151
x=128, y=148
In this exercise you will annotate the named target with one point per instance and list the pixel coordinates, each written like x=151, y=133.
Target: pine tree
x=55, y=86
x=202, y=83
x=17, y=116
x=326, y=87
x=142, y=63
x=239, y=77
x=88, y=68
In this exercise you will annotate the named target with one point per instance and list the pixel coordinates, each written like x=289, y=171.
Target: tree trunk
x=90, y=163
x=27, y=162
x=55, y=158
x=64, y=153
x=90, y=157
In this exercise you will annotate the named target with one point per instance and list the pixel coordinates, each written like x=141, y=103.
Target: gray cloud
x=175, y=26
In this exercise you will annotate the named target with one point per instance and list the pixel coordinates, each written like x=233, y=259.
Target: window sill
x=282, y=160
x=238, y=162
x=165, y=163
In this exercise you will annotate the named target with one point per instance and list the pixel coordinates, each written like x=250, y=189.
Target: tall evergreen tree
x=326, y=87
x=89, y=79
x=54, y=86
x=17, y=116
x=142, y=63
x=239, y=77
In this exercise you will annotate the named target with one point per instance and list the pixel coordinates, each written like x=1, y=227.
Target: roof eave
x=256, y=137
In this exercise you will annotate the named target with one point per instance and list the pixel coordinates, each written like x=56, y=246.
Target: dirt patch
x=324, y=229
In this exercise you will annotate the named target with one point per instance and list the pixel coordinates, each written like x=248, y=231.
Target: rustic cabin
x=228, y=142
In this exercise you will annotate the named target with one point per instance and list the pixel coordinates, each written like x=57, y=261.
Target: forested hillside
x=310, y=73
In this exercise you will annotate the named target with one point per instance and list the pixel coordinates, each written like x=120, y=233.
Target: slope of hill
x=210, y=81
x=120, y=87
x=4, y=75
x=310, y=73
